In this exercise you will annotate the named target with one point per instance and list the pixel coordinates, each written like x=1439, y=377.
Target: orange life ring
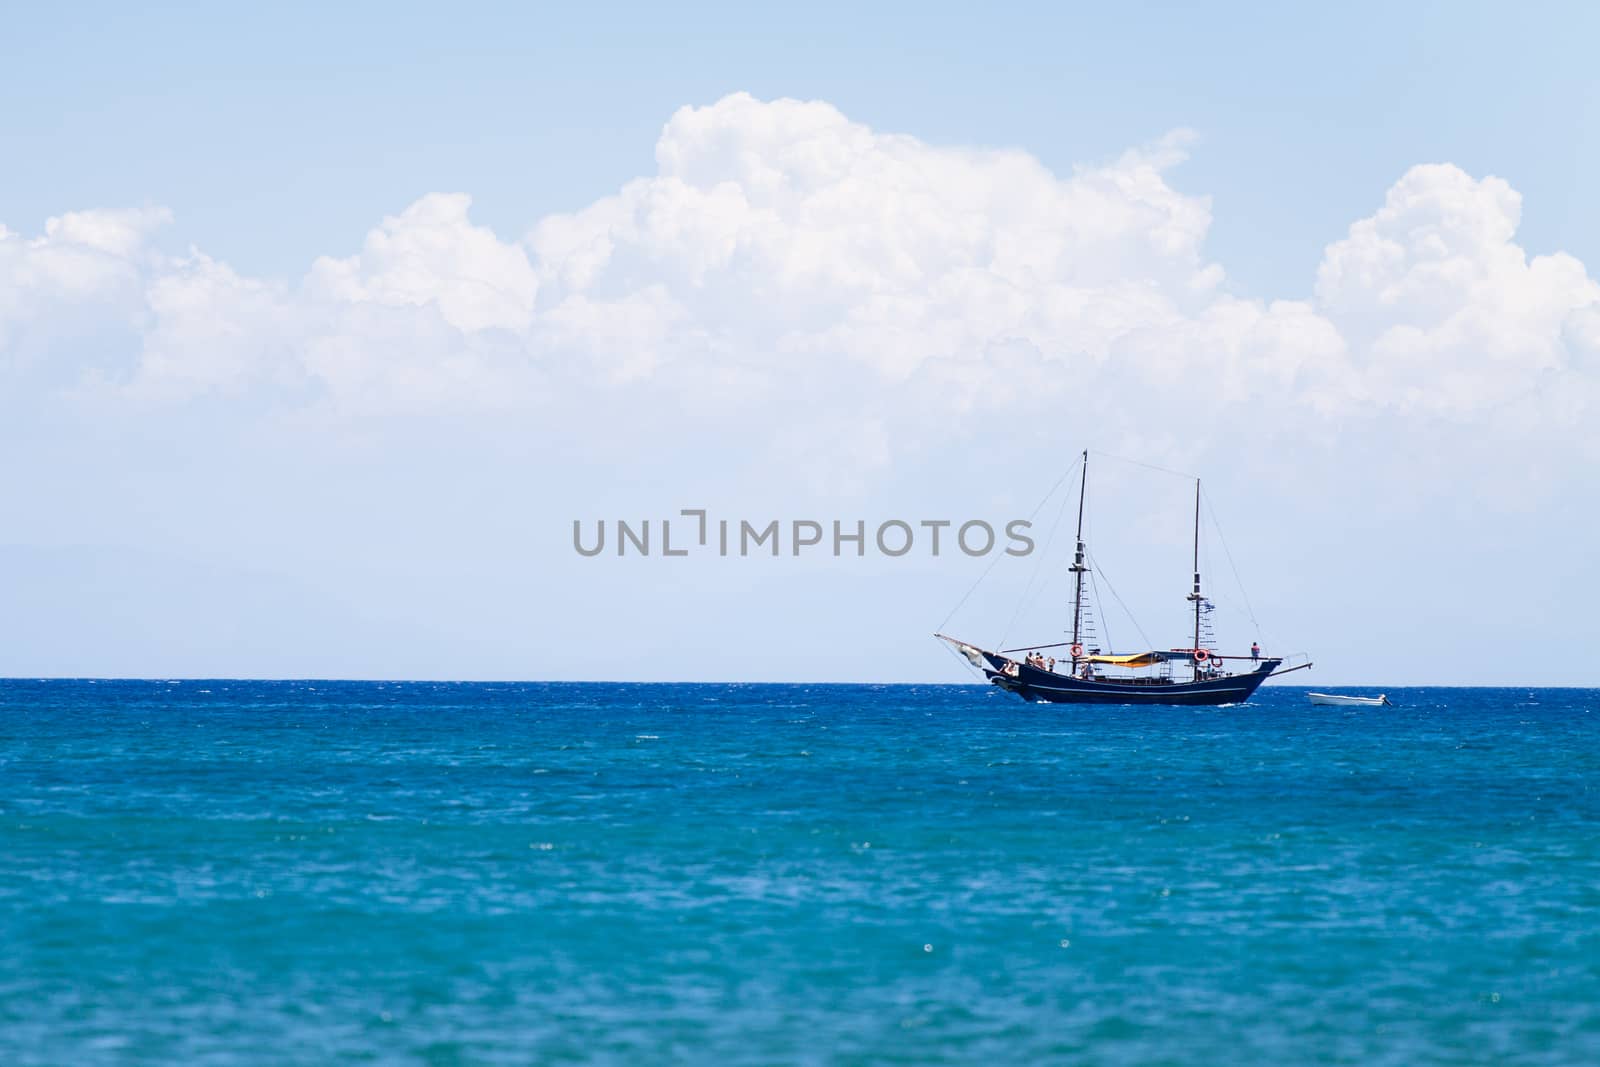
x=1077, y=651
x=1201, y=655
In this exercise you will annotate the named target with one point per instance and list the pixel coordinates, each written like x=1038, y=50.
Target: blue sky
x=277, y=133
x=317, y=452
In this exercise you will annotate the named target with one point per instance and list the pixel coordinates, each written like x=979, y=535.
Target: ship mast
x=1195, y=595
x=1078, y=569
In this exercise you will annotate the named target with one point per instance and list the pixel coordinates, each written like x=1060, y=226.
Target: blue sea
x=226, y=872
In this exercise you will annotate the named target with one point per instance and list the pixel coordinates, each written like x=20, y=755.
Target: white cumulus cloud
x=87, y=265
x=786, y=229
x=1443, y=308
x=432, y=255
x=787, y=266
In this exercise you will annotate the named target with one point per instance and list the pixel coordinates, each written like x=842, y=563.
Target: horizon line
x=176, y=679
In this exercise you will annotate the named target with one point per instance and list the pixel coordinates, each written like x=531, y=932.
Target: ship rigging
x=1195, y=674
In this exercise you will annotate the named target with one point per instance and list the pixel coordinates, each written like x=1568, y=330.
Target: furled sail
x=1137, y=659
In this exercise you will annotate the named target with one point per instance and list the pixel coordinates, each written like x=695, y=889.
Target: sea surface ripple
x=226, y=872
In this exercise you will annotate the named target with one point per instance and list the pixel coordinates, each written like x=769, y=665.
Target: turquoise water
x=246, y=872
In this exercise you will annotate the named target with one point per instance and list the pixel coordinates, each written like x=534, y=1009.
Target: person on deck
x=1255, y=652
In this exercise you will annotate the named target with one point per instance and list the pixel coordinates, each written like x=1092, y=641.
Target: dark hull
x=1033, y=684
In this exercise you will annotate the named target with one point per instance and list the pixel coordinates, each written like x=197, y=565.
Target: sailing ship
x=1342, y=700
x=1191, y=675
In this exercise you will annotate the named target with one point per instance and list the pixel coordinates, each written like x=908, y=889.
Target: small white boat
x=1339, y=700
